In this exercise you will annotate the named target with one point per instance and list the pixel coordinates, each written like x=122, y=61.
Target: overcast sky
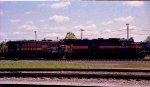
x=54, y=18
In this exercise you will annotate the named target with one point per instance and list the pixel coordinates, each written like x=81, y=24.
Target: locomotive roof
x=100, y=39
x=34, y=41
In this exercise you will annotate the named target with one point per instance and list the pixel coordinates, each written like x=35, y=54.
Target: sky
x=54, y=18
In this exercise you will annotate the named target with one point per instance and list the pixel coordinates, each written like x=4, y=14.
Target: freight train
x=112, y=48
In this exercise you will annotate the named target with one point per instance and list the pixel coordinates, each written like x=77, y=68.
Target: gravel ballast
x=77, y=81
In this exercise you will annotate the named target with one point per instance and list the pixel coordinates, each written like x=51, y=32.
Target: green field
x=64, y=64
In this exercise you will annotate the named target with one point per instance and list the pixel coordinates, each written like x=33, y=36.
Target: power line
x=143, y=32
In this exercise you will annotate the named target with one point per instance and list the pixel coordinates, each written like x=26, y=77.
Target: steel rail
x=76, y=75
x=75, y=69
x=44, y=85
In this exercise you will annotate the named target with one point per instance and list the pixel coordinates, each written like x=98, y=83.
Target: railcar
x=33, y=49
x=105, y=48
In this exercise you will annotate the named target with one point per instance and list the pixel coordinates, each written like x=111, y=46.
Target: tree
x=148, y=38
x=70, y=35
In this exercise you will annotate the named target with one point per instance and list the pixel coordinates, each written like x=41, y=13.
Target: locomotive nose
x=3, y=49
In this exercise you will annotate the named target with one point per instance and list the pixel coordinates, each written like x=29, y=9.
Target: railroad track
x=134, y=60
x=77, y=73
x=76, y=59
x=42, y=85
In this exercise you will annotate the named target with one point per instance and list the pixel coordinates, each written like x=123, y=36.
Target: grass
x=50, y=64
x=61, y=64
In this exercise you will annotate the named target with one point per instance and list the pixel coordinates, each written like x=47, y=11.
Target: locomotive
x=112, y=48
x=32, y=49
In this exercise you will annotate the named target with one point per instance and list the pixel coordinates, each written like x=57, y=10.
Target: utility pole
x=127, y=31
x=81, y=33
x=35, y=35
x=57, y=38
